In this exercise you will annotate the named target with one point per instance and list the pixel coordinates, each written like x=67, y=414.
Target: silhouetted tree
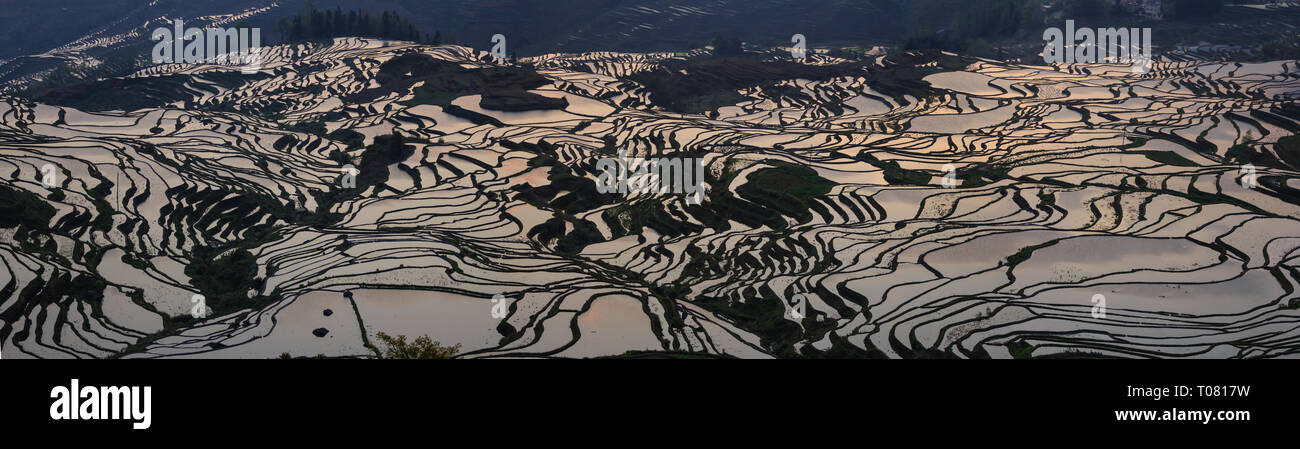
x=313, y=24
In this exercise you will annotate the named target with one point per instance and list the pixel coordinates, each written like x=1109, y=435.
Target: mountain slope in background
x=87, y=32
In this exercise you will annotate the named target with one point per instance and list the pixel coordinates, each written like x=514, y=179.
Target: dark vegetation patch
x=315, y=127
x=582, y=233
x=894, y=173
x=125, y=94
x=1288, y=149
x=372, y=171
x=474, y=117
x=1025, y=253
x=761, y=203
x=702, y=85
x=632, y=218
x=502, y=88
x=224, y=278
x=786, y=188
x=349, y=138
x=1248, y=151
x=515, y=99
x=982, y=174
x=24, y=210
x=1288, y=157
x=1167, y=158
x=386, y=150
x=902, y=74
x=128, y=94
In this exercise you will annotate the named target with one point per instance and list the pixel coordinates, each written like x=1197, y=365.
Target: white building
x=1145, y=8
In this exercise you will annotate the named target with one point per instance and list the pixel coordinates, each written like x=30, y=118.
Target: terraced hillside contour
x=478, y=179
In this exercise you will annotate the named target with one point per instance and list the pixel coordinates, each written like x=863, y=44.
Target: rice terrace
x=622, y=181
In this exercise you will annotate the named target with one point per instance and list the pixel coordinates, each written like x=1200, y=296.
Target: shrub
x=421, y=348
